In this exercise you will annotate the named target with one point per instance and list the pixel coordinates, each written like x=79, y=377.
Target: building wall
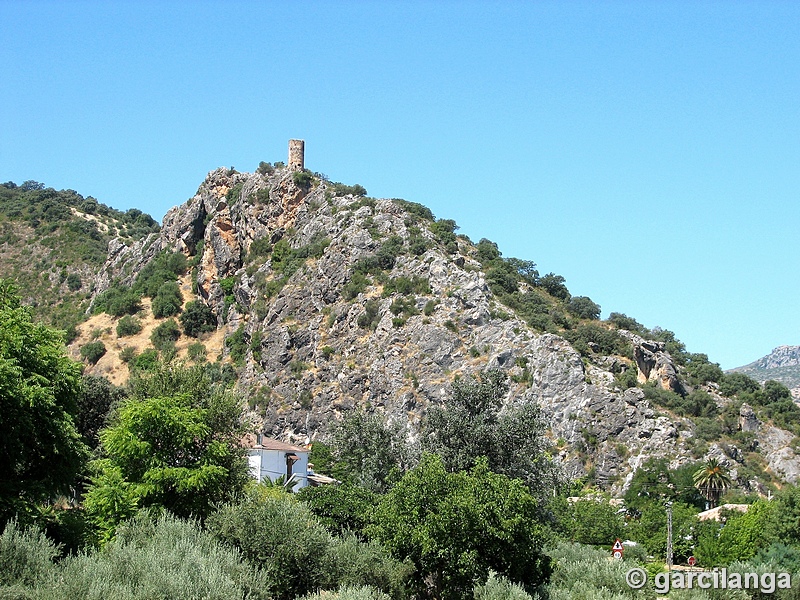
x=271, y=464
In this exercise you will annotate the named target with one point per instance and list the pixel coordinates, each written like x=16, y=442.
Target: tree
x=583, y=307
x=280, y=535
x=95, y=400
x=474, y=423
x=197, y=318
x=555, y=285
x=173, y=444
x=742, y=536
x=712, y=479
x=340, y=508
x=593, y=520
x=650, y=529
x=40, y=449
x=457, y=527
x=655, y=483
x=165, y=335
x=369, y=452
x=128, y=325
x=167, y=301
x=93, y=351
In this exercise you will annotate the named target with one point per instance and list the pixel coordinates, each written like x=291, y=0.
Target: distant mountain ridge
x=782, y=364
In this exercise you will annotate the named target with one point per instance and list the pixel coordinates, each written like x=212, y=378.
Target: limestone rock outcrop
x=275, y=260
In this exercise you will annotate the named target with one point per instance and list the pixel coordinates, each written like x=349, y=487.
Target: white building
x=271, y=459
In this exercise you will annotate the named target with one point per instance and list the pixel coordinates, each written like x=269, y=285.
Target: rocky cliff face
x=334, y=302
x=782, y=364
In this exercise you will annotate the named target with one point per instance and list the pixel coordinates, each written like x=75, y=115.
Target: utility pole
x=669, y=536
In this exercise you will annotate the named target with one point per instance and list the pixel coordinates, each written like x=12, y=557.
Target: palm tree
x=711, y=479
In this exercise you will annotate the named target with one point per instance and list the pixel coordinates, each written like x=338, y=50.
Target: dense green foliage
x=340, y=189
x=128, y=325
x=167, y=301
x=166, y=558
x=165, y=335
x=41, y=449
x=473, y=425
x=95, y=401
x=93, y=351
x=50, y=243
x=457, y=527
x=156, y=280
x=340, y=508
x=197, y=318
x=369, y=452
x=173, y=444
x=260, y=529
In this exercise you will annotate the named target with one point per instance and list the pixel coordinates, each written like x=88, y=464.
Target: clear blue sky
x=649, y=152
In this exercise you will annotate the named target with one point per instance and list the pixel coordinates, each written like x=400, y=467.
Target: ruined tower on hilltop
x=296, y=155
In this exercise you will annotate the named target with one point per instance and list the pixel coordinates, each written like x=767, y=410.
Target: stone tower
x=296, y=155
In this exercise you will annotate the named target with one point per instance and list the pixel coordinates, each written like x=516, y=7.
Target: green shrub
x=340, y=508
x=367, y=563
x=327, y=352
x=147, y=360
x=197, y=318
x=168, y=300
x=118, y=302
x=74, y=282
x=302, y=178
x=592, y=338
x=164, y=267
x=444, y=230
x=415, y=209
x=274, y=286
x=407, y=285
x=260, y=248
x=340, y=189
x=265, y=168
x=584, y=572
x=498, y=587
x=26, y=556
x=196, y=352
x=357, y=284
x=280, y=535
x=349, y=593
x=128, y=325
x=237, y=346
x=127, y=354
x=297, y=367
x=623, y=321
x=555, y=285
x=168, y=558
x=583, y=307
x=430, y=306
x=701, y=370
x=93, y=351
x=371, y=317
x=165, y=335
x=227, y=285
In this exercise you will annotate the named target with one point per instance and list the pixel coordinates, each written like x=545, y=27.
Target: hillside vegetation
x=53, y=244
x=478, y=415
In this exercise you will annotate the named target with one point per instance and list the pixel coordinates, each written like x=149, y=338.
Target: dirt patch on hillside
x=103, y=327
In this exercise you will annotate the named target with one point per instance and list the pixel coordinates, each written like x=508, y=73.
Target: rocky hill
x=321, y=300
x=782, y=364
